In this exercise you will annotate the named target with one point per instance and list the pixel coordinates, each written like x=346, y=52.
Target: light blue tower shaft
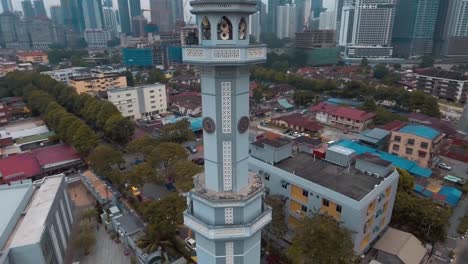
x=226, y=209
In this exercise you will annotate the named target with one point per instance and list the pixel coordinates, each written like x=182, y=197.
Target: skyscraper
x=110, y=20
x=345, y=35
x=39, y=8
x=254, y=25
x=138, y=26
x=327, y=20
x=272, y=4
x=457, y=40
x=72, y=15
x=303, y=14
x=226, y=209
x=161, y=15
x=127, y=10
x=92, y=14
x=177, y=9
x=28, y=9
x=107, y=3
x=285, y=21
x=135, y=8
x=414, y=32
x=7, y=6
x=56, y=15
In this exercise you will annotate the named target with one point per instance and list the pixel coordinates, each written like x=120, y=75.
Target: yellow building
x=33, y=57
x=98, y=82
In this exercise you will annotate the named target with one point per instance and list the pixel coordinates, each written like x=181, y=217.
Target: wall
x=414, y=156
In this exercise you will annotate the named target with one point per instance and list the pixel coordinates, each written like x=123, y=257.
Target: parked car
x=192, y=150
x=444, y=166
x=199, y=161
x=190, y=244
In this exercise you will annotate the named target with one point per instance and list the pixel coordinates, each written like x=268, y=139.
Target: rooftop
x=308, y=141
x=275, y=143
x=351, y=183
x=342, y=111
x=19, y=167
x=301, y=121
x=374, y=159
x=23, y=132
x=34, y=138
x=403, y=245
x=453, y=75
x=55, y=154
x=31, y=227
x=31, y=53
x=373, y=135
x=420, y=131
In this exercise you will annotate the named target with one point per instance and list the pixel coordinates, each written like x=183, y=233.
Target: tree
x=84, y=140
x=166, y=154
x=179, y=132
x=278, y=223
x=321, y=240
x=106, y=110
x=89, y=213
x=405, y=182
x=369, y=105
x=129, y=76
x=143, y=145
x=184, y=170
x=380, y=71
x=426, y=62
x=85, y=238
x=119, y=128
x=103, y=157
x=141, y=174
x=364, y=62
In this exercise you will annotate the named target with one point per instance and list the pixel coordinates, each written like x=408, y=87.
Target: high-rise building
x=14, y=31
x=41, y=33
x=457, y=31
x=39, y=8
x=28, y=9
x=138, y=26
x=56, y=14
x=327, y=20
x=7, y=6
x=262, y=8
x=285, y=21
x=72, y=15
x=372, y=29
x=254, y=25
x=345, y=33
x=110, y=20
x=127, y=10
x=414, y=33
x=107, y=3
x=226, y=209
x=135, y=8
x=96, y=38
x=303, y=14
x=92, y=14
x=177, y=10
x=161, y=15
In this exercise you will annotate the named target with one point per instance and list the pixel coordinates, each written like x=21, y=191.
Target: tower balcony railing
x=228, y=231
x=218, y=55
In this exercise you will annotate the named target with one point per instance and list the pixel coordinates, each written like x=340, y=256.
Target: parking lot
x=459, y=168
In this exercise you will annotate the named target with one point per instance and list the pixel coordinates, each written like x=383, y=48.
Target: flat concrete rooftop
x=353, y=183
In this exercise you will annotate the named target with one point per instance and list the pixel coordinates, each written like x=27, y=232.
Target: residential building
x=92, y=14
x=110, y=20
x=357, y=190
x=6, y=67
x=40, y=32
x=285, y=21
x=96, y=82
x=377, y=138
x=39, y=9
x=444, y=84
x=28, y=9
x=225, y=208
x=299, y=123
x=97, y=38
x=372, y=28
x=14, y=32
x=342, y=117
x=63, y=75
x=33, y=57
x=138, y=26
x=56, y=14
x=7, y=6
x=417, y=143
x=140, y=101
x=37, y=221
x=410, y=250
x=413, y=35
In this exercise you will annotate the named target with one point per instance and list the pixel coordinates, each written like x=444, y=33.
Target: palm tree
x=89, y=213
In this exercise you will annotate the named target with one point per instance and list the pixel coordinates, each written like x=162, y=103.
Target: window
x=325, y=202
x=267, y=177
x=153, y=102
x=397, y=138
x=424, y=145
x=422, y=154
x=284, y=185
x=153, y=106
x=152, y=97
x=338, y=208
x=128, y=95
x=130, y=111
x=305, y=193
x=129, y=106
x=411, y=142
x=304, y=208
x=151, y=91
x=160, y=100
x=409, y=151
x=396, y=147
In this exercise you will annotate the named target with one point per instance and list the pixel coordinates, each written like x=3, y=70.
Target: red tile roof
x=394, y=125
x=6, y=142
x=301, y=121
x=342, y=111
x=55, y=154
x=19, y=167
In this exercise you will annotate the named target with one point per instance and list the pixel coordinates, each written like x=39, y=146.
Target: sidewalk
x=106, y=251
x=454, y=220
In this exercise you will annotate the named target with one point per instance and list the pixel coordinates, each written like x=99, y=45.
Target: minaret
x=463, y=123
x=225, y=209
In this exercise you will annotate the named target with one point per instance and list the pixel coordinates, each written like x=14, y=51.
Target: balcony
x=222, y=55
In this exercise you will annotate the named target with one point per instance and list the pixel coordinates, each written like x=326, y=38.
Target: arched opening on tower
x=206, y=29
x=243, y=31
x=225, y=29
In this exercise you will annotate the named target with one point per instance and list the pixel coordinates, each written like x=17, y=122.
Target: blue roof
x=421, y=131
x=418, y=188
x=408, y=165
x=452, y=195
x=340, y=101
x=195, y=123
x=284, y=103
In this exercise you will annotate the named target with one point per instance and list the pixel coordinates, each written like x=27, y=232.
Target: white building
x=141, y=101
x=254, y=24
x=97, y=38
x=63, y=75
x=110, y=20
x=285, y=21
x=327, y=20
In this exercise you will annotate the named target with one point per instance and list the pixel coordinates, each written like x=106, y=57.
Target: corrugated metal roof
x=284, y=103
x=420, y=131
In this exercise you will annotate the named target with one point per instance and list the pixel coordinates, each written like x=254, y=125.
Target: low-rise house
x=33, y=57
x=307, y=145
x=376, y=138
x=298, y=122
x=396, y=246
x=187, y=103
x=36, y=221
x=417, y=143
x=450, y=85
x=6, y=67
x=185, y=79
x=342, y=117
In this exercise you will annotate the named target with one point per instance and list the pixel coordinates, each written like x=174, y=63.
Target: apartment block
x=97, y=82
x=36, y=222
x=33, y=57
x=63, y=75
x=449, y=85
x=356, y=190
x=141, y=101
x=342, y=117
x=418, y=143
